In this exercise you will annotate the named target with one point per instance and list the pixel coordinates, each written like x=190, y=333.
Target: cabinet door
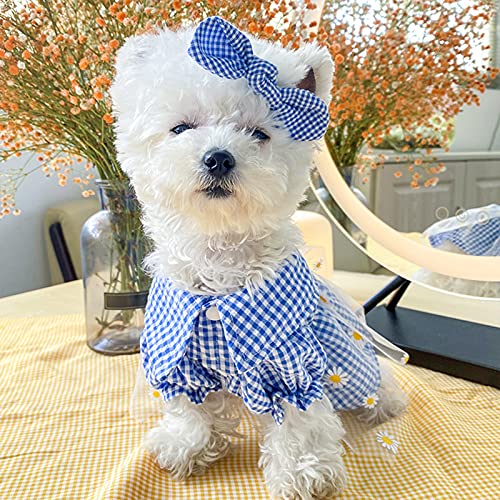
x=482, y=183
x=409, y=210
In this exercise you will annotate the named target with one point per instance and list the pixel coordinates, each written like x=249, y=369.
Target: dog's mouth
x=217, y=189
x=214, y=192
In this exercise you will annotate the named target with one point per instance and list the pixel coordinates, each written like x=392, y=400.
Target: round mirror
x=421, y=197
x=458, y=253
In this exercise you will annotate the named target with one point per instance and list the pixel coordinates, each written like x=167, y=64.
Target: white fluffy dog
x=219, y=179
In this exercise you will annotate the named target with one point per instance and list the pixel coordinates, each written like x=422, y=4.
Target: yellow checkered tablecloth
x=65, y=431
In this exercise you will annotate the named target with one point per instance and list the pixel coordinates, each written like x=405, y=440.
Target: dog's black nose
x=219, y=162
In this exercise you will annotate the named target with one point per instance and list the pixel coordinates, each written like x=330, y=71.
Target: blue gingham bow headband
x=225, y=51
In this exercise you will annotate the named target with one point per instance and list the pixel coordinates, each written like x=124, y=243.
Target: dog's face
x=205, y=147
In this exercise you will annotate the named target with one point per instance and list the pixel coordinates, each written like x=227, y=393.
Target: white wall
x=477, y=128
x=23, y=259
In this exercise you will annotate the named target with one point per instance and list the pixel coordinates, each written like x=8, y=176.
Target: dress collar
x=254, y=322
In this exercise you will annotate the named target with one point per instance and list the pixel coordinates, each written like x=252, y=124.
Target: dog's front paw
x=185, y=453
x=307, y=477
x=302, y=458
x=188, y=439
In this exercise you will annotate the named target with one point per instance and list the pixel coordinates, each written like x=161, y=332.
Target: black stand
x=459, y=348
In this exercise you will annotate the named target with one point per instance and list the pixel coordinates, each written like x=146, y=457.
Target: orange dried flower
x=83, y=64
x=252, y=27
x=339, y=59
x=372, y=59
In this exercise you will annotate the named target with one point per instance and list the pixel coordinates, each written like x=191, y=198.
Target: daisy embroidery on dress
x=387, y=441
x=156, y=394
x=338, y=377
x=371, y=401
x=318, y=264
x=358, y=338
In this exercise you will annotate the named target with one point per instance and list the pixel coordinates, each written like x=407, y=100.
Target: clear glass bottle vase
x=113, y=246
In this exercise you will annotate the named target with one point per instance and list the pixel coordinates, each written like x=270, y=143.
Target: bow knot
x=225, y=51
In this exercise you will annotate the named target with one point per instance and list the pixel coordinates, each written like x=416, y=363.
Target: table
x=67, y=432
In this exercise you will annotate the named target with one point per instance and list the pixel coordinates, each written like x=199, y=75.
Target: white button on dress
x=213, y=313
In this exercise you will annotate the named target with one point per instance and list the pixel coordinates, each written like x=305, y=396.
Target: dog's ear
x=316, y=70
x=308, y=82
x=129, y=93
x=309, y=67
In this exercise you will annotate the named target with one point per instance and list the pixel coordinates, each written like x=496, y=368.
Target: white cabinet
x=483, y=183
x=470, y=180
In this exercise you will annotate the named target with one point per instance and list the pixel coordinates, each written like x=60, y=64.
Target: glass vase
x=113, y=247
x=333, y=210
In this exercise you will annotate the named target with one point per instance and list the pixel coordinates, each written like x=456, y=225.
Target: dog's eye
x=178, y=129
x=259, y=135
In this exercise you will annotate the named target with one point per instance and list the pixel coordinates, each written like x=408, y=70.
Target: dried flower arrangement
x=56, y=65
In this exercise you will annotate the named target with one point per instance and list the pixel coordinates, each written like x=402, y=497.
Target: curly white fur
x=217, y=245
x=302, y=458
x=190, y=437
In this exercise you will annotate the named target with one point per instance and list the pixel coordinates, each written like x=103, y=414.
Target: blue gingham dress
x=293, y=340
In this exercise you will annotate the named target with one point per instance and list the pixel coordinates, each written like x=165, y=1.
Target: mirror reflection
x=415, y=127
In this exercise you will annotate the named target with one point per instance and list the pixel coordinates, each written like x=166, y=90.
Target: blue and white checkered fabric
x=474, y=232
x=282, y=342
x=225, y=51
